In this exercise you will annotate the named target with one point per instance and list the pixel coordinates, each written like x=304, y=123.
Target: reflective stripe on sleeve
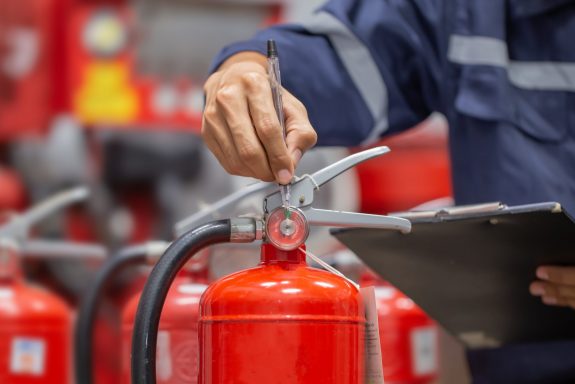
x=543, y=76
x=534, y=75
x=360, y=65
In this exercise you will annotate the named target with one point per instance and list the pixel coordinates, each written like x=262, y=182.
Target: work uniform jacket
x=501, y=71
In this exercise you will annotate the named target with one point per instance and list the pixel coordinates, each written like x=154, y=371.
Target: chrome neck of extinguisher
x=246, y=230
x=270, y=255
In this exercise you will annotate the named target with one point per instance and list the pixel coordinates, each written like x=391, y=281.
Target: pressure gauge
x=287, y=228
x=105, y=34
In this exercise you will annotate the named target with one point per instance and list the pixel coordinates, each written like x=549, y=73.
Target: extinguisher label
x=28, y=356
x=424, y=350
x=373, y=359
x=164, y=356
x=6, y=293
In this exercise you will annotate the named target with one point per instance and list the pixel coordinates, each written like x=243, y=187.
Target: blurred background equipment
x=143, y=63
x=409, y=337
x=178, y=332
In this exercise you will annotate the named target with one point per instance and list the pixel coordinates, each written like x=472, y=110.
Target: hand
x=556, y=286
x=240, y=125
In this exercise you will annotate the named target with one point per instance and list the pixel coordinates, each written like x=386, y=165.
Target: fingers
x=227, y=129
x=559, y=275
x=542, y=289
x=267, y=126
x=241, y=128
x=559, y=301
x=300, y=135
x=216, y=138
x=251, y=153
x=557, y=287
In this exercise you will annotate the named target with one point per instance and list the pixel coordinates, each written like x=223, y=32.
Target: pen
x=275, y=83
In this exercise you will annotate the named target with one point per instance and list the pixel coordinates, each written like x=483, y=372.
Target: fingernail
x=549, y=300
x=537, y=290
x=296, y=156
x=284, y=176
x=542, y=274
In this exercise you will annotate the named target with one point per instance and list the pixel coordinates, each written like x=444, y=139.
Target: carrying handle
x=54, y=249
x=213, y=211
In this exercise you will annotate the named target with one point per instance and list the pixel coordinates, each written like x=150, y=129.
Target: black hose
x=156, y=290
x=84, y=334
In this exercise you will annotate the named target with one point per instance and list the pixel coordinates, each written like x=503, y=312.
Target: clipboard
x=470, y=268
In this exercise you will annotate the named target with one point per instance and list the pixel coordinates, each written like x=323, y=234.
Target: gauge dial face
x=287, y=228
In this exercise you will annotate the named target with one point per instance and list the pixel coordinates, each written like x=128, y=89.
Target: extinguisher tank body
x=281, y=322
x=35, y=337
x=177, y=348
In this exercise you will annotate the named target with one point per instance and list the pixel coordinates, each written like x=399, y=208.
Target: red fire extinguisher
x=177, y=348
x=35, y=331
x=305, y=325
x=280, y=322
x=35, y=327
x=408, y=336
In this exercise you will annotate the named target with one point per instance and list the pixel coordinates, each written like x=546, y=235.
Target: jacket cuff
x=230, y=50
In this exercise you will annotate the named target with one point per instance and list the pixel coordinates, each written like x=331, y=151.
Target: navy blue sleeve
x=363, y=69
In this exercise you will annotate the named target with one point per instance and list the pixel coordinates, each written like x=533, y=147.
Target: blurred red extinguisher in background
x=177, y=348
x=408, y=336
x=35, y=327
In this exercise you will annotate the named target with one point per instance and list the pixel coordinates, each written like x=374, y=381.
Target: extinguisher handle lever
x=303, y=188
x=342, y=219
x=332, y=171
x=20, y=225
